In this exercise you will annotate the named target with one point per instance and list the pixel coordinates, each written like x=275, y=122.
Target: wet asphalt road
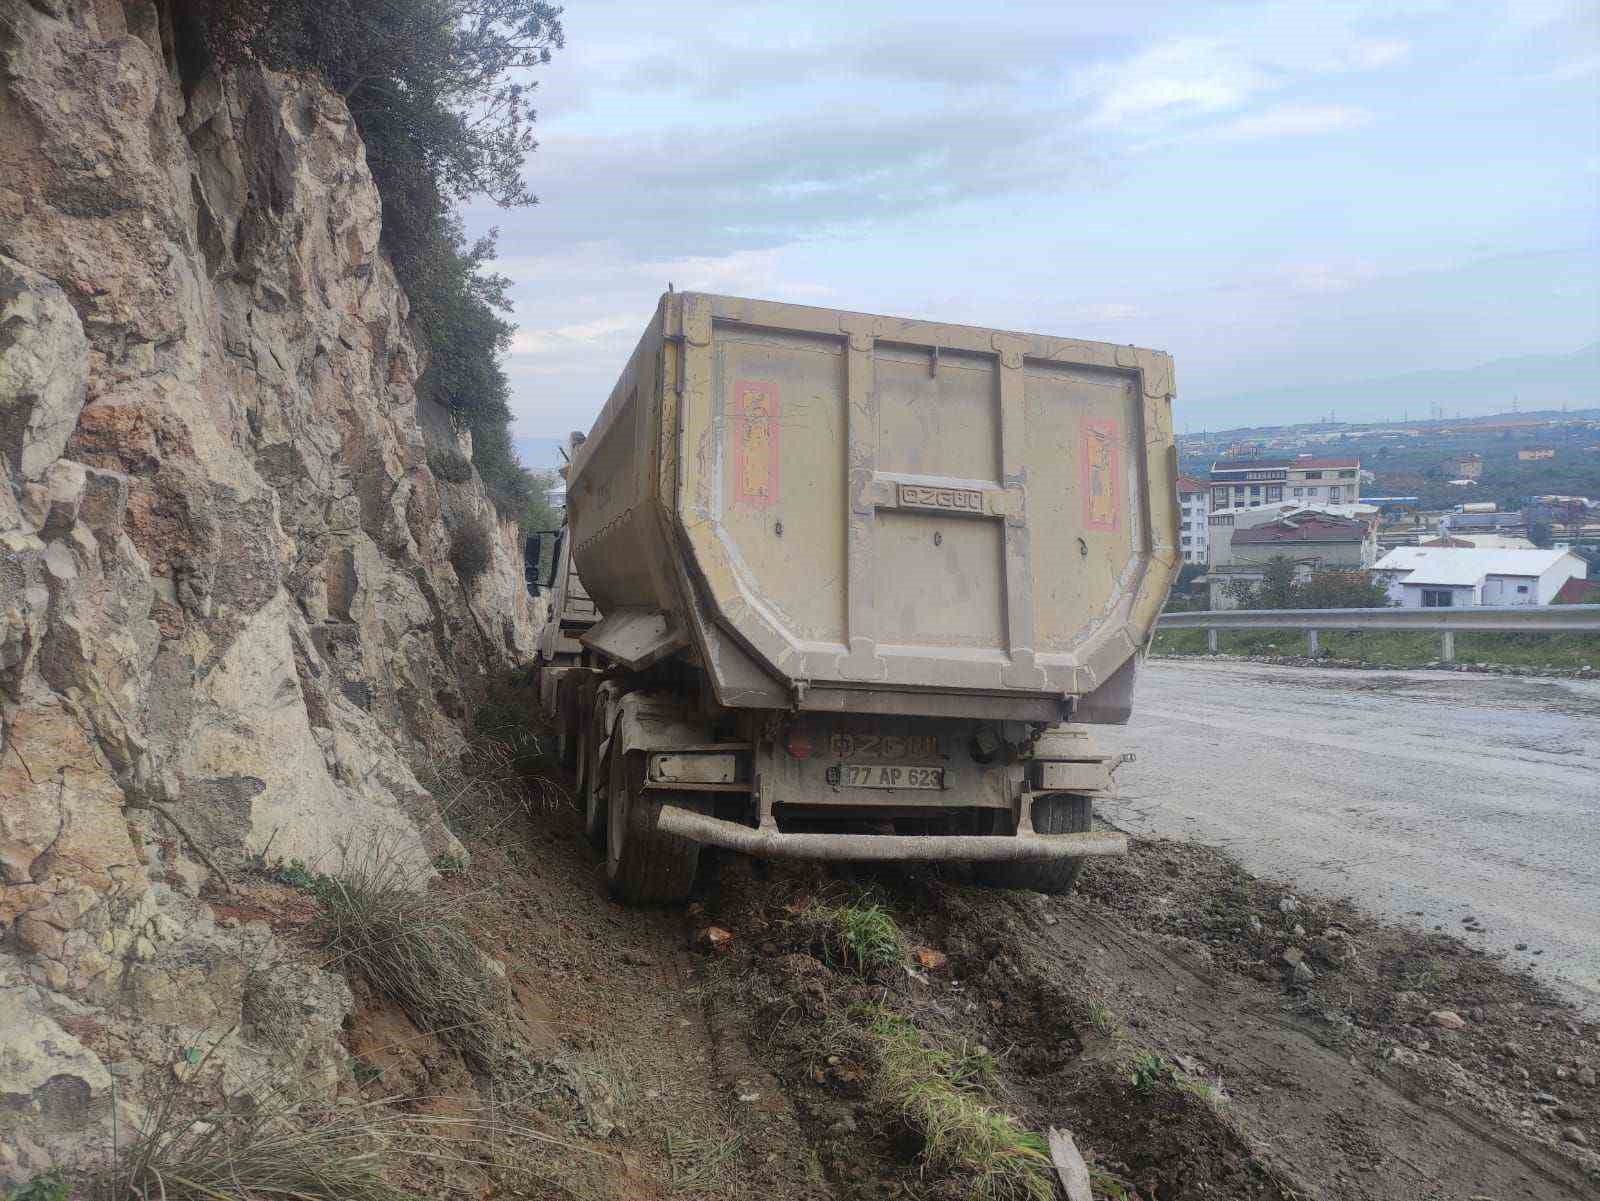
x=1441, y=792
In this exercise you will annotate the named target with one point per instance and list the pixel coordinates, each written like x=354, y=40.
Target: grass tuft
x=409, y=943
x=863, y=937
x=940, y=1094
x=46, y=1186
x=1147, y=1070
x=1421, y=973
x=492, y=780
x=260, y=1144
x=1101, y=1018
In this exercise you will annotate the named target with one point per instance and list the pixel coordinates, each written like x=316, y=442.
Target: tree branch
x=189, y=839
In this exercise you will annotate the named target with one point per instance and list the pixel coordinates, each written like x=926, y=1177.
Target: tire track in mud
x=1313, y=1090
x=1307, y=1104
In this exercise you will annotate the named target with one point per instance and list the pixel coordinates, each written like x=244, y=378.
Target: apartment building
x=1192, y=509
x=1306, y=479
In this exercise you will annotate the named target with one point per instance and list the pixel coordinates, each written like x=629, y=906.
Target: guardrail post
x=1447, y=646
x=1211, y=640
x=1311, y=643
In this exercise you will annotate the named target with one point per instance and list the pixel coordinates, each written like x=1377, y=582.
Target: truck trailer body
x=865, y=584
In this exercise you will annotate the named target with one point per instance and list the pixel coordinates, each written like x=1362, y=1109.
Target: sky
x=1279, y=194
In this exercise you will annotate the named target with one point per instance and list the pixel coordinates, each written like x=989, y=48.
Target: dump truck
x=866, y=586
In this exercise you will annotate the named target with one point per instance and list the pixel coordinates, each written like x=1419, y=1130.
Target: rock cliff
x=228, y=612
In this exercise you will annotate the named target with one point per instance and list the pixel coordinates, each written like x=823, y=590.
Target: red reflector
x=799, y=744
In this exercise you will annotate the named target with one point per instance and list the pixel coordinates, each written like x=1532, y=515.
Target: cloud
x=568, y=337
x=1189, y=76
x=956, y=55
x=1371, y=53
x=1323, y=279
x=1293, y=121
x=1578, y=68
x=1102, y=312
x=983, y=164
x=686, y=192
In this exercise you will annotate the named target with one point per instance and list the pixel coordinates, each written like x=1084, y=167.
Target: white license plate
x=877, y=775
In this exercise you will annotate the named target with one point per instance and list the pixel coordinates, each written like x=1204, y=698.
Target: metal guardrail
x=1515, y=619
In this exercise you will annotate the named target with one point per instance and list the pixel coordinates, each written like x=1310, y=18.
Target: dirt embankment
x=1201, y=1033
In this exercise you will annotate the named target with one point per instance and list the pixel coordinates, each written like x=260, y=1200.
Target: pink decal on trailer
x=755, y=443
x=1101, y=475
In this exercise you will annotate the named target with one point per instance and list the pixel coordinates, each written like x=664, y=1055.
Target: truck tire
x=571, y=745
x=643, y=866
x=592, y=780
x=1053, y=813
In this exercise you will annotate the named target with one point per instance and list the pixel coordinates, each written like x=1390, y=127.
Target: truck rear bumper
x=967, y=848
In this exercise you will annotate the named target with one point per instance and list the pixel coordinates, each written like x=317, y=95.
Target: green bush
x=470, y=552
x=47, y=1186
x=449, y=466
x=440, y=92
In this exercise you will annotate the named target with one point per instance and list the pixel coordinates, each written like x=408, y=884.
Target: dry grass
x=942, y=1094
x=256, y=1143
x=384, y=925
x=490, y=783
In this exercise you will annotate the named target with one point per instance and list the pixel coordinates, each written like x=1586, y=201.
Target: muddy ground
x=1201, y=1032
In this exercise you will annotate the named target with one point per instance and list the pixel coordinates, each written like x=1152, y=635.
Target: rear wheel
x=643, y=865
x=566, y=729
x=1053, y=813
x=571, y=727
x=592, y=783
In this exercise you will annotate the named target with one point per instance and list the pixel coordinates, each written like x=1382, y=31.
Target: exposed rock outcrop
x=225, y=580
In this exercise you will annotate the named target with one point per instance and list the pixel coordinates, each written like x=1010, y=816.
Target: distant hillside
x=1534, y=381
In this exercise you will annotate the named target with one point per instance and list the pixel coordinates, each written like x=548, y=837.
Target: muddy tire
x=592, y=780
x=1053, y=813
x=571, y=728
x=643, y=865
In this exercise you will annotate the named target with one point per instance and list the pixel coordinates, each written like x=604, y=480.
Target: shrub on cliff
x=440, y=92
x=449, y=466
x=470, y=552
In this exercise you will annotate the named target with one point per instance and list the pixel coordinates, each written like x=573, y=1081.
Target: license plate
x=877, y=775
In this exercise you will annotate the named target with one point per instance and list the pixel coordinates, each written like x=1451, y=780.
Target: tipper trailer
x=866, y=585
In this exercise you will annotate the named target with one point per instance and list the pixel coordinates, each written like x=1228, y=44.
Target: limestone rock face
x=225, y=580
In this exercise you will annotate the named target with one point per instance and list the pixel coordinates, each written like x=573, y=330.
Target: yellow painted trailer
x=865, y=583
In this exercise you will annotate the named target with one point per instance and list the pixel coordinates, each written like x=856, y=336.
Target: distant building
x=1481, y=542
x=1251, y=483
x=1511, y=524
x=1225, y=522
x=1466, y=466
x=1578, y=592
x=1313, y=541
x=1451, y=577
x=1531, y=454
x=1192, y=533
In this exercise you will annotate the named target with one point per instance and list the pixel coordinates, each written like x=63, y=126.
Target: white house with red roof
x=1431, y=577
